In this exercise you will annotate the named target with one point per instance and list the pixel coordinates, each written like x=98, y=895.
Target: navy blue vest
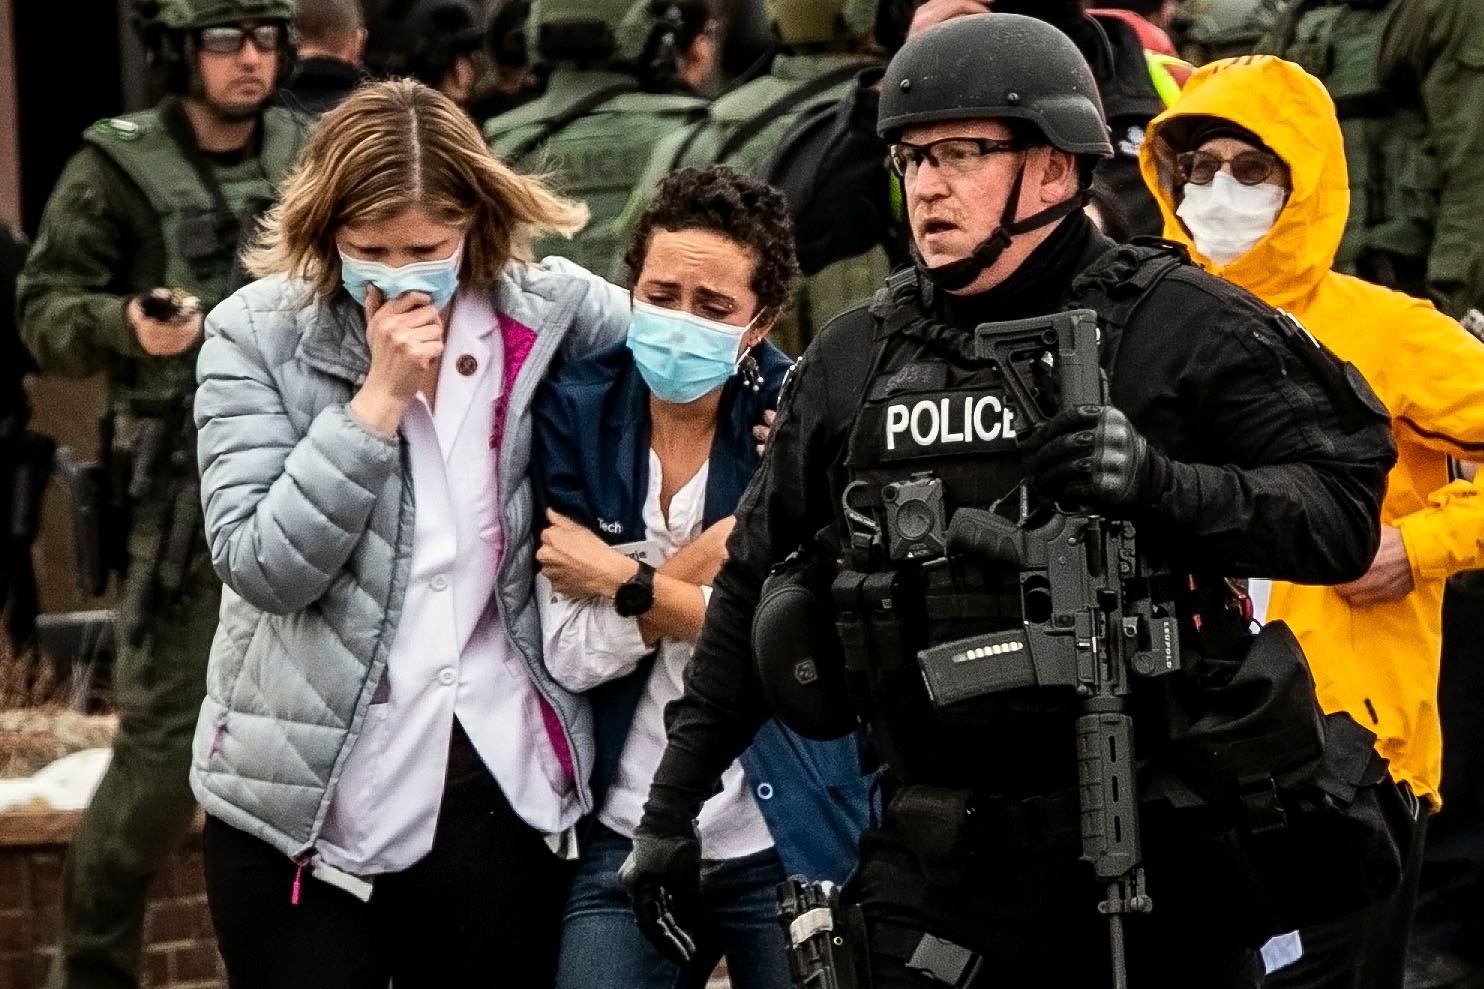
x=590, y=462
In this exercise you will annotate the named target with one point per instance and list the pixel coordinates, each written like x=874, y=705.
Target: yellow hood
x=1293, y=115
x=1377, y=661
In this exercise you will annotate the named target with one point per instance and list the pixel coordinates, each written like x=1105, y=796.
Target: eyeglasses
x=229, y=40
x=956, y=155
x=1250, y=167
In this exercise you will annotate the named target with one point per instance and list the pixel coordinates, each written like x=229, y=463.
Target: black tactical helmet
x=996, y=66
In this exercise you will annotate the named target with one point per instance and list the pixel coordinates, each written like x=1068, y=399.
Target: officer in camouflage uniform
x=1214, y=29
x=136, y=243
x=828, y=44
x=596, y=124
x=1407, y=77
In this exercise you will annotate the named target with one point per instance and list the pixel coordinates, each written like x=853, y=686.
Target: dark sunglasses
x=958, y=155
x=229, y=40
x=1250, y=167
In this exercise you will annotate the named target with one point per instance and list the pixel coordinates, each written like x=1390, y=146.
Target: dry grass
x=38, y=722
x=27, y=682
x=31, y=740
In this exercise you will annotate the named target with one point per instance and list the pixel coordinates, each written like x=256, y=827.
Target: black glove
x=663, y=877
x=1090, y=456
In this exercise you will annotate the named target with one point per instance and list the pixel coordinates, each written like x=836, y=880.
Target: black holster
x=826, y=939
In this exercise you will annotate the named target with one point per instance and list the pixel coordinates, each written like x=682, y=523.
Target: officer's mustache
x=938, y=221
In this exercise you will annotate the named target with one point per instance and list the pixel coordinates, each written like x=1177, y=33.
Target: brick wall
x=180, y=950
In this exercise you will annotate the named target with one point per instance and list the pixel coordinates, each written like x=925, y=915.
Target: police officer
x=1216, y=29
x=136, y=243
x=1236, y=443
x=433, y=41
x=826, y=45
x=1407, y=78
x=596, y=124
x=830, y=161
x=512, y=80
x=329, y=48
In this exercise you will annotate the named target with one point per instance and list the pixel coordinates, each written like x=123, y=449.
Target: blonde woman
x=389, y=773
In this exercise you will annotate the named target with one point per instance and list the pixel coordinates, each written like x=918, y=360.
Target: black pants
x=1366, y=950
x=483, y=908
x=1449, y=926
x=1033, y=919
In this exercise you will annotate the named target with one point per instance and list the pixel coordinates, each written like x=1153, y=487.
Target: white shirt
x=587, y=643
x=450, y=653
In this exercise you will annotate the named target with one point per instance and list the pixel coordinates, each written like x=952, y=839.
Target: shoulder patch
x=119, y=127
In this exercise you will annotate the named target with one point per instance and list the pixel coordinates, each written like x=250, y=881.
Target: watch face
x=632, y=599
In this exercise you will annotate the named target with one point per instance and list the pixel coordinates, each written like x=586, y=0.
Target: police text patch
x=936, y=424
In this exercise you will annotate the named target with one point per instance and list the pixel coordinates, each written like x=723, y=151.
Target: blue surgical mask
x=438, y=279
x=682, y=357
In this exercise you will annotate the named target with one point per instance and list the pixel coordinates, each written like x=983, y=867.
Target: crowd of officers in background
x=607, y=96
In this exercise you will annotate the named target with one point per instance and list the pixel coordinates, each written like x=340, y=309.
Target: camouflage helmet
x=1219, y=28
x=189, y=15
x=574, y=30
x=818, y=22
x=651, y=23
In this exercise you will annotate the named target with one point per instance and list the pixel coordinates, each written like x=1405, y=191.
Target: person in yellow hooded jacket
x=1248, y=167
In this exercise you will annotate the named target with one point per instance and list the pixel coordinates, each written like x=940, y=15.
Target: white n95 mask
x=1226, y=219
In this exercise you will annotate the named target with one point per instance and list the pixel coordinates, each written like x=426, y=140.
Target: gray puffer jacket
x=310, y=520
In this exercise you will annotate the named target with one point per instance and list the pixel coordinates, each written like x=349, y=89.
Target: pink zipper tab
x=298, y=875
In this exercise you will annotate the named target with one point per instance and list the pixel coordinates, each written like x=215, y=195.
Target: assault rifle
x=163, y=476
x=1096, y=618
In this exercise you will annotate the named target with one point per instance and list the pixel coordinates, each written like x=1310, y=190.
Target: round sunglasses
x=1250, y=167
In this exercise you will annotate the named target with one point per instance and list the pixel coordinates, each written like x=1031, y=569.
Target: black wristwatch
x=636, y=595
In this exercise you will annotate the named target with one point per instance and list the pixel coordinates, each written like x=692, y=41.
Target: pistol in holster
x=826, y=940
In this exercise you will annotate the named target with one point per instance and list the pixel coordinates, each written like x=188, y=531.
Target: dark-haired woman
x=644, y=451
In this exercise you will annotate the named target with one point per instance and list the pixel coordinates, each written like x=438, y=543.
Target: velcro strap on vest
x=927, y=955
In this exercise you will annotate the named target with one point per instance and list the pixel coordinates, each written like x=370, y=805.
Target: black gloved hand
x=1090, y=456
x=663, y=877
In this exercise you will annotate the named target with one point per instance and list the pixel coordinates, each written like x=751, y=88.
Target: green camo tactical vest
x=594, y=132
x=1394, y=174
x=200, y=245
x=743, y=129
x=1225, y=28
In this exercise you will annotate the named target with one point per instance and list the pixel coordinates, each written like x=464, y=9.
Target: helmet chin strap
x=956, y=275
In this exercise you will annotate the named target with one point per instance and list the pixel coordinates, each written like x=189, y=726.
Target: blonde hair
x=389, y=147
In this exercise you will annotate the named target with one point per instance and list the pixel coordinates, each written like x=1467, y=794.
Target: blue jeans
x=603, y=946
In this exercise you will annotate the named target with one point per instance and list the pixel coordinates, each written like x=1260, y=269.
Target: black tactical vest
x=936, y=432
